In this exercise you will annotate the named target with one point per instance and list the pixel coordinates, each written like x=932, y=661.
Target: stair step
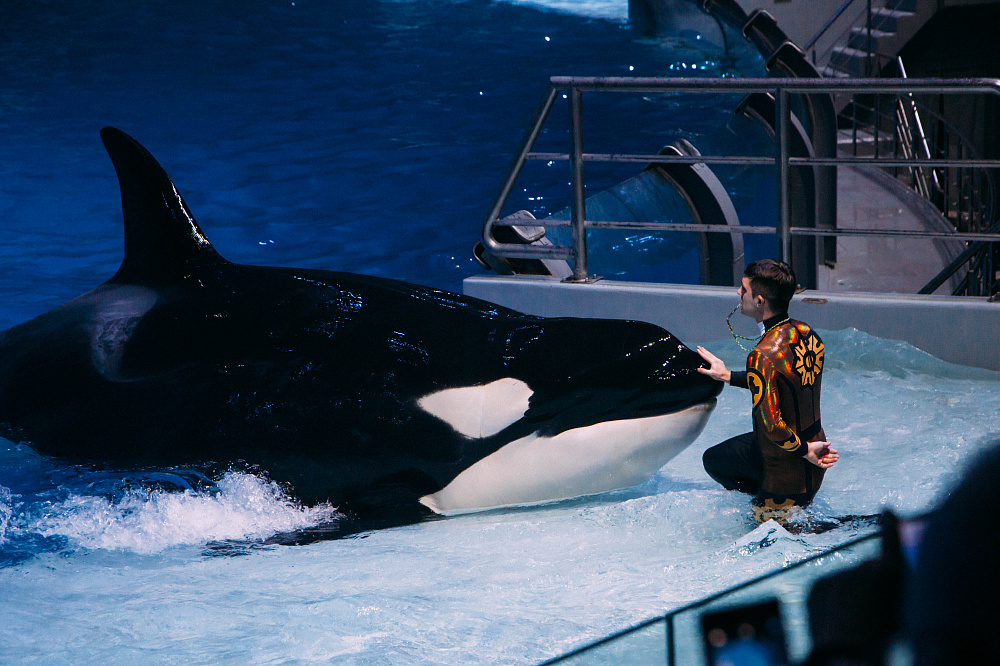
x=886, y=11
x=847, y=52
x=834, y=73
x=858, y=38
x=864, y=137
x=876, y=33
x=889, y=20
x=851, y=60
x=902, y=5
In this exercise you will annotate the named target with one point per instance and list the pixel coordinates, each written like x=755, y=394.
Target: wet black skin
x=183, y=358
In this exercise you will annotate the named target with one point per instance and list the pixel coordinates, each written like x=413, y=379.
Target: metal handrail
x=743, y=229
x=782, y=88
x=909, y=138
x=968, y=254
x=826, y=26
x=767, y=161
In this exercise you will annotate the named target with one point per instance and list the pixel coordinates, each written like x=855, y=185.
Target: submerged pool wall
x=961, y=330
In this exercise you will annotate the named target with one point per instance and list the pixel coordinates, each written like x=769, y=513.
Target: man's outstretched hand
x=717, y=369
x=821, y=455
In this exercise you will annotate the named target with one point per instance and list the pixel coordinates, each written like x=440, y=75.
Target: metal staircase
x=862, y=39
x=874, y=38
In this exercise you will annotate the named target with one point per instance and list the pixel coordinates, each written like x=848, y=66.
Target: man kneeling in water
x=782, y=462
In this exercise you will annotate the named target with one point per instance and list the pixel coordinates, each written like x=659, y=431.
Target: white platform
x=960, y=330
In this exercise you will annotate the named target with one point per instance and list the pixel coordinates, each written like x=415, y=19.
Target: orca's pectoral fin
x=161, y=235
x=352, y=526
x=575, y=407
x=392, y=501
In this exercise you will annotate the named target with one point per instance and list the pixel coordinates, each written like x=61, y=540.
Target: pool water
x=100, y=569
x=369, y=136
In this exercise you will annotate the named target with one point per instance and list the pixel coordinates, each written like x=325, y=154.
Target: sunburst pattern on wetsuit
x=809, y=359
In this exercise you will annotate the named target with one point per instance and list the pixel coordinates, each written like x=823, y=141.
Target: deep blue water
x=366, y=136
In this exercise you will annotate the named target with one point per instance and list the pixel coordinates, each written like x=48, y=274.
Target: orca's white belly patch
x=583, y=461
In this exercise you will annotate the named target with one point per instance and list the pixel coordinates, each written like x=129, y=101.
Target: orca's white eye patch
x=479, y=411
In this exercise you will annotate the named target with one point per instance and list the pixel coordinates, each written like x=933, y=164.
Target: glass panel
x=789, y=587
x=787, y=623
x=645, y=645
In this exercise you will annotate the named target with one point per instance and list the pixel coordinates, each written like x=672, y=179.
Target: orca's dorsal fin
x=162, y=239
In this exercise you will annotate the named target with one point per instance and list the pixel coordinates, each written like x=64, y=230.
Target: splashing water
x=150, y=521
x=6, y=511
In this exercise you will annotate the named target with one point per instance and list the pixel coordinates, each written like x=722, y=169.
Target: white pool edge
x=963, y=330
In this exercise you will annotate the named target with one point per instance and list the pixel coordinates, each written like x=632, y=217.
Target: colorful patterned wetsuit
x=784, y=375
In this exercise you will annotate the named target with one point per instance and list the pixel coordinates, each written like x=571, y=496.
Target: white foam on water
x=150, y=521
x=6, y=512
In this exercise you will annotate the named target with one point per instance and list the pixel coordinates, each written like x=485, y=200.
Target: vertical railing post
x=876, y=128
x=868, y=60
x=669, y=629
x=579, y=202
x=782, y=122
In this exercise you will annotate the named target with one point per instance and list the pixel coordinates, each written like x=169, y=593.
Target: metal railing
x=675, y=637
x=965, y=195
x=913, y=140
x=782, y=161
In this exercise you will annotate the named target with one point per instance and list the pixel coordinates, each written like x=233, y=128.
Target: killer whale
x=379, y=396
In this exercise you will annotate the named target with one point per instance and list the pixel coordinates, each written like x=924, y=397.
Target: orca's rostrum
x=377, y=395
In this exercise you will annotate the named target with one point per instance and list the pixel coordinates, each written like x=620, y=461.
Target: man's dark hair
x=774, y=280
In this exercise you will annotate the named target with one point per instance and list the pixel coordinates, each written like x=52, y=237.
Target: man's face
x=749, y=305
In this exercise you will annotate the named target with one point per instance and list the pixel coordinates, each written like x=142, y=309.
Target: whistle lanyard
x=738, y=337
